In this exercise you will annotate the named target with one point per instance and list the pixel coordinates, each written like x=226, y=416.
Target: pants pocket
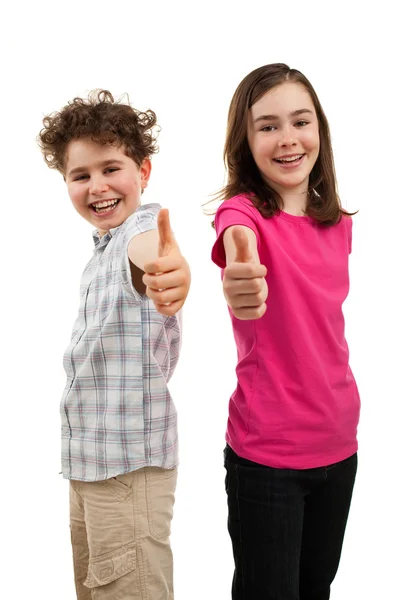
x=113, y=575
x=160, y=498
x=120, y=486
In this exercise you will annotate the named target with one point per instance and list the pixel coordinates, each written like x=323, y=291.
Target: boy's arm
x=158, y=267
x=244, y=284
x=143, y=248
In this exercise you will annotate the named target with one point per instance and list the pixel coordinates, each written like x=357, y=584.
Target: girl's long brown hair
x=244, y=177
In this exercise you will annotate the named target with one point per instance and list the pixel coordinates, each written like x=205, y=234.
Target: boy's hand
x=167, y=279
x=244, y=283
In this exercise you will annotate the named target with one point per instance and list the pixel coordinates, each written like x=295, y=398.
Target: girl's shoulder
x=239, y=200
x=240, y=203
x=347, y=223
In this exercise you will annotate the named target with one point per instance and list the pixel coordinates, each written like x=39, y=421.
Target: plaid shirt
x=116, y=411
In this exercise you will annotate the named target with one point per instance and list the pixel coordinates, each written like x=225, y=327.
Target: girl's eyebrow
x=296, y=113
x=105, y=163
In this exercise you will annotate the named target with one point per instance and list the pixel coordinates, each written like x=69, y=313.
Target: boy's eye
x=108, y=170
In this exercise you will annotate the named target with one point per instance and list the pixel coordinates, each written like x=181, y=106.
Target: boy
x=119, y=429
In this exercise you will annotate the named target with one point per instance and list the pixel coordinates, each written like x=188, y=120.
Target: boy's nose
x=98, y=185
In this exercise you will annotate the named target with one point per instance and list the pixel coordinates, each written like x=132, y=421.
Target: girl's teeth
x=289, y=159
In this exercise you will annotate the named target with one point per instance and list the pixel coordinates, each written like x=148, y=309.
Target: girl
x=283, y=241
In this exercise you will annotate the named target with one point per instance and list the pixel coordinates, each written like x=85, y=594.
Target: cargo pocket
x=160, y=497
x=113, y=570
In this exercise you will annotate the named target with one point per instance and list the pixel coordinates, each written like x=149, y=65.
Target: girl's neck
x=294, y=204
x=294, y=199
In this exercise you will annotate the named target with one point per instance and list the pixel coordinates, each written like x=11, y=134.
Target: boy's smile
x=104, y=184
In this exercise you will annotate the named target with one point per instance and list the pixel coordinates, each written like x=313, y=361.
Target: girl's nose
x=288, y=137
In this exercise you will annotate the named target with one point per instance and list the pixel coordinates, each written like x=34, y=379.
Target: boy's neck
x=103, y=232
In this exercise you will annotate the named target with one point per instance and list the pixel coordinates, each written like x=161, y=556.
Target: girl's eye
x=301, y=123
x=268, y=128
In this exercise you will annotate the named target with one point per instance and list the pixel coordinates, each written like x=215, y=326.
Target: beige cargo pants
x=120, y=532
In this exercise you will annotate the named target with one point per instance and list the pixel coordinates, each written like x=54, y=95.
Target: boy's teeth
x=104, y=204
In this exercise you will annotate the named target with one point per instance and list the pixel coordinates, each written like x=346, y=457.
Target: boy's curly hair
x=104, y=121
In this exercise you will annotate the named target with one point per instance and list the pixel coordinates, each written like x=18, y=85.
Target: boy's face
x=104, y=184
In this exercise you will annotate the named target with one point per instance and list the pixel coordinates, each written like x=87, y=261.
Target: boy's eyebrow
x=296, y=113
x=104, y=163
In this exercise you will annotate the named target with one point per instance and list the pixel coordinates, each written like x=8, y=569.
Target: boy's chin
x=112, y=221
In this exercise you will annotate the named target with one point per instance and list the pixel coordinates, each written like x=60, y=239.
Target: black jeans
x=287, y=527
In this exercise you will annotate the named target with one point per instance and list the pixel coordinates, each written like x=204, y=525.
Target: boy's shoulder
x=143, y=219
x=143, y=212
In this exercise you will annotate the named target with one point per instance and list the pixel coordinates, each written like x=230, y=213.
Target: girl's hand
x=167, y=278
x=244, y=284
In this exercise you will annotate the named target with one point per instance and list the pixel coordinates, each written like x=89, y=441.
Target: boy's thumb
x=165, y=235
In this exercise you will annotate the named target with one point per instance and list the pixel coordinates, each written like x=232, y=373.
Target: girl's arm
x=244, y=283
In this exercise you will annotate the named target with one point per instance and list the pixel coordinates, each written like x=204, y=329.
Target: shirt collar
x=99, y=242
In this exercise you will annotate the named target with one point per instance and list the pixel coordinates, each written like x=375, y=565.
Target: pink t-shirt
x=296, y=404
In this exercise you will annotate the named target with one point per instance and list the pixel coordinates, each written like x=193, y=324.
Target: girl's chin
x=297, y=184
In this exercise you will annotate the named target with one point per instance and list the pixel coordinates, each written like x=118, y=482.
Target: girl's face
x=283, y=137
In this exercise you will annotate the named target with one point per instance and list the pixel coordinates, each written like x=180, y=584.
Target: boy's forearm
x=166, y=272
x=166, y=278
x=143, y=248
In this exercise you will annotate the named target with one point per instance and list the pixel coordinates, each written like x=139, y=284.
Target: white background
x=184, y=60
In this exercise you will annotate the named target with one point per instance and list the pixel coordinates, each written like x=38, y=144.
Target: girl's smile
x=290, y=161
x=283, y=135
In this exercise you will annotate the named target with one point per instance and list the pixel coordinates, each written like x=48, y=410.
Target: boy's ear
x=145, y=170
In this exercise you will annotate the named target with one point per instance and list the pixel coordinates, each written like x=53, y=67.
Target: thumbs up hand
x=244, y=284
x=167, y=278
x=167, y=243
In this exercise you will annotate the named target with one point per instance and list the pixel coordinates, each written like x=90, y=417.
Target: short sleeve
x=143, y=220
x=349, y=232
x=236, y=211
